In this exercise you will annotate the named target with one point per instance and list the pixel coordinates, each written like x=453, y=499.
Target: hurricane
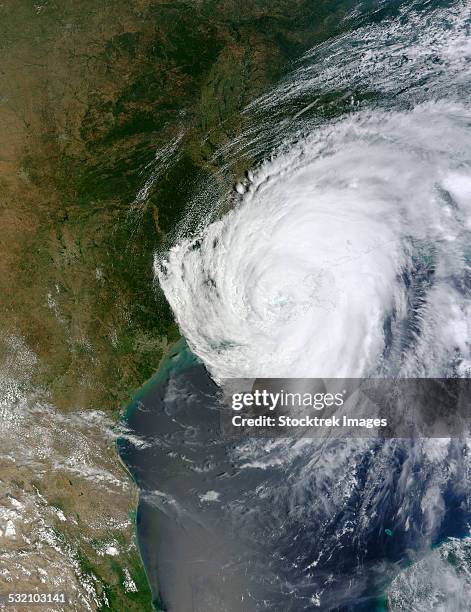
x=345, y=252
x=348, y=252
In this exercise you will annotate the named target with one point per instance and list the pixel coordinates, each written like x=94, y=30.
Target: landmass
x=109, y=112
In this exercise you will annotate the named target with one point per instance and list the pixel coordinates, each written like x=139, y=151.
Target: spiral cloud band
x=346, y=255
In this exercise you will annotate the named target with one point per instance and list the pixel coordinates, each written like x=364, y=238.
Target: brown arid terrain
x=108, y=113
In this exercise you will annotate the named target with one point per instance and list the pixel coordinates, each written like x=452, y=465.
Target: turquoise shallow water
x=230, y=526
x=211, y=553
x=177, y=359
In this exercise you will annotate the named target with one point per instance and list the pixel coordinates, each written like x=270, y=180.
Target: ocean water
x=345, y=252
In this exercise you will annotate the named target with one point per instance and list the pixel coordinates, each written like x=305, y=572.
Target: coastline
x=177, y=357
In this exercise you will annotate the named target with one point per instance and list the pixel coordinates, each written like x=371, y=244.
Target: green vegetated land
x=92, y=96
